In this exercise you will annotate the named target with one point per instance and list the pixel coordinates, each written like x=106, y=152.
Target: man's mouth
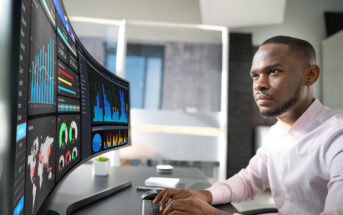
x=263, y=100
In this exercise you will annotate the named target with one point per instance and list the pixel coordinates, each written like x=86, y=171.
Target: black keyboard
x=148, y=208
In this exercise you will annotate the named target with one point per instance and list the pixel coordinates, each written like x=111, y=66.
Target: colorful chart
x=68, y=130
x=68, y=143
x=42, y=74
x=43, y=71
x=109, y=100
x=40, y=171
x=114, y=138
x=67, y=81
x=65, y=105
x=67, y=158
x=96, y=142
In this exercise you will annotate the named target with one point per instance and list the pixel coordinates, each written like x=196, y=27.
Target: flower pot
x=101, y=167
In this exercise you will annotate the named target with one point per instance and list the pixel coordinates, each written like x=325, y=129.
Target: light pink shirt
x=303, y=165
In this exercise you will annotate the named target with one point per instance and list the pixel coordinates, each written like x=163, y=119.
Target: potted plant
x=101, y=166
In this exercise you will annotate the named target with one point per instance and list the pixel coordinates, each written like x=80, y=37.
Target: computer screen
x=68, y=107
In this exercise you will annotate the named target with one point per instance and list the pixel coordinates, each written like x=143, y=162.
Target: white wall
x=303, y=19
x=148, y=33
x=178, y=11
x=333, y=66
x=167, y=11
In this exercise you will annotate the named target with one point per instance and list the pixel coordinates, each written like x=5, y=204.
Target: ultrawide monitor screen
x=69, y=107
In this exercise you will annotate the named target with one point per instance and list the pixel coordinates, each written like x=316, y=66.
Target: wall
x=333, y=66
x=177, y=11
x=192, y=76
x=96, y=47
x=304, y=19
x=240, y=147
x=171, y=32
x=134, y=31
x=167, y=11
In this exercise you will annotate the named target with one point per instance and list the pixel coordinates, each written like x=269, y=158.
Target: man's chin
x=267, y=114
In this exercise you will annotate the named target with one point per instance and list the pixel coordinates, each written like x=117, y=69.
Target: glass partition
x=178, y=83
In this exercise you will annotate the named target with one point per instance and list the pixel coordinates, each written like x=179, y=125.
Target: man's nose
x=262, y=83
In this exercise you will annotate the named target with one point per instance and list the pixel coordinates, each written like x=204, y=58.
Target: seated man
x=302, y=157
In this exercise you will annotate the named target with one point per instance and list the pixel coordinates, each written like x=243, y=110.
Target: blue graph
x=98, y=115
x=96, y=145
x=43, y=71
x=110, y=110
x=112, y=113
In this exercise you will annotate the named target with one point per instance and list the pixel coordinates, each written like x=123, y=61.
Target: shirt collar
x=306, y=121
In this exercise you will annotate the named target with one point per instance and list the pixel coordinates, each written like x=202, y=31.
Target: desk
x=82, y=182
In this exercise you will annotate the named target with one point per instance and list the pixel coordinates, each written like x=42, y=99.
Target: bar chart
x=67, y=81
x=109, y=103
x=42, y=61
x=114, y=138
x=43, y=71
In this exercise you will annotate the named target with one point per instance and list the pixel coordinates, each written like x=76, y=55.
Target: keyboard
x=148, y=208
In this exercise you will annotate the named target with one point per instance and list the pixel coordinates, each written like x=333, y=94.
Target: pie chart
x=96, y=142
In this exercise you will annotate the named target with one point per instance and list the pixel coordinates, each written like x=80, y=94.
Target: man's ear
x=312, y=74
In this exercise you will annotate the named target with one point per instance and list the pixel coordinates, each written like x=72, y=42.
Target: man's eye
x=274, y=71
x=254, y=76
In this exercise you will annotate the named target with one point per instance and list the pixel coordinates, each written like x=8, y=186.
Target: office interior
x=188, y=63
x=187, y=97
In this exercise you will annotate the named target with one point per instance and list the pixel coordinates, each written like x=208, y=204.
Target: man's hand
x=191, y=206
x=167, y=194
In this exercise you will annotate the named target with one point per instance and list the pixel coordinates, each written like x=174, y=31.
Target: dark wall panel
x=240, y=147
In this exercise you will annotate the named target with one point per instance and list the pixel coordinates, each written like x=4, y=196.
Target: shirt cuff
x=224, y=191
x=220, y=194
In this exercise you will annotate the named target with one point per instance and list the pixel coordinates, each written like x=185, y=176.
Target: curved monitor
x=68, y=108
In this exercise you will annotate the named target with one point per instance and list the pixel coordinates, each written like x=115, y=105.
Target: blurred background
x=188, y=64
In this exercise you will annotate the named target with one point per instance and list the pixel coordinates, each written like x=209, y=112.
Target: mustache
x=260, y=94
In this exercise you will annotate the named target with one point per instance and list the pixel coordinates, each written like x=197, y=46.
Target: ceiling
x=230, y=13
x=239, y=13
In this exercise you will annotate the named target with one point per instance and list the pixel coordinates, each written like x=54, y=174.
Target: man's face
x=277, y=77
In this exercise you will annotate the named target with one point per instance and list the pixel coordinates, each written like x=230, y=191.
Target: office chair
x=259, y=211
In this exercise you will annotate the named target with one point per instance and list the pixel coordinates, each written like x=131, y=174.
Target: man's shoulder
x=331, y=127
x=331, y=116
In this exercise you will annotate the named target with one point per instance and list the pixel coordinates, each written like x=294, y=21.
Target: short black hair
x=300, y=46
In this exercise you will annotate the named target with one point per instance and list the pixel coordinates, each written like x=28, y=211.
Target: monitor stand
x=97, y=196
x=81, y=188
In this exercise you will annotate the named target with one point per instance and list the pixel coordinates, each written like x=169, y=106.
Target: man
x=302, y=157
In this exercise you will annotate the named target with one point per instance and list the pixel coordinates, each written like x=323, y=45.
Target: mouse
x=150, y=195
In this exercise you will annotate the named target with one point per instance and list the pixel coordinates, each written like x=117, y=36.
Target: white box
x=162, y=182
x=101, y=168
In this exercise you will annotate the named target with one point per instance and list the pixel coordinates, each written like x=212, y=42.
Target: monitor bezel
x=10, y=102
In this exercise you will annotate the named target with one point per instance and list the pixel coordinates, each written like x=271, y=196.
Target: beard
x=284, y=107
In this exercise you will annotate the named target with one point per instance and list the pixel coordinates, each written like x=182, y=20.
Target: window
x=144, y=71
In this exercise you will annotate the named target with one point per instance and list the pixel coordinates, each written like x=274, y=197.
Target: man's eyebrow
x=268, y=67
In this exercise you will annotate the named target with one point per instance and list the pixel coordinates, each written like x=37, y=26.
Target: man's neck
x=288, y=118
